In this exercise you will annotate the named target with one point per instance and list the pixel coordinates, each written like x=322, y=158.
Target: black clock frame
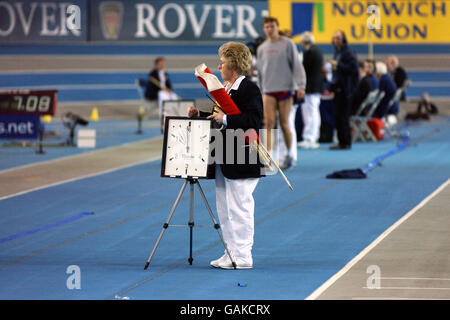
x=210, y=172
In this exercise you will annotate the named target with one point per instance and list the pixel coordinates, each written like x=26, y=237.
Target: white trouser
x=282, y=151
x=311, y=117
x=235, y=209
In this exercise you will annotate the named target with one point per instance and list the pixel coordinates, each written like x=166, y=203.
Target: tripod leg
x=216, y=225
x=166, y=224
x=191, y=221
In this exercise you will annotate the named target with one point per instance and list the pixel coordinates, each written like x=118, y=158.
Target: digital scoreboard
x=28, y=102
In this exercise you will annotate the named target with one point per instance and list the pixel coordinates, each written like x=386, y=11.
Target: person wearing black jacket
x=313, y=64
x=345, y=81
x=397, y=73
x=158, y=80
x=387, y=85
x=365, y=85
x=235, y=181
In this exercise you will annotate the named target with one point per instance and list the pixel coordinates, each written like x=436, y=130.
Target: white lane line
x=406, y=288
x=106, y=69
x=108, y=103
x=395, y=298
x=139, y=101
x=380, y=238
x=78, y=154
x=115, y=86
x=80, y=177
x=181, y=85
x=83, y=176
x=430, y=84
x=93, y=70
x=427, y=279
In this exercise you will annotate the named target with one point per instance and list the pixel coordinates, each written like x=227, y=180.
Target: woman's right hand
x=192, y=112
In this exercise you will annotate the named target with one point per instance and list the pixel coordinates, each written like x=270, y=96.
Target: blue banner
x=15, y=126
x=29, y=21
x=139, y=20
x=43, y=21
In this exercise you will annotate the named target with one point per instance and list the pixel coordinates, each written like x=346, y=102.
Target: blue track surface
x=117, y=86
x=195, y=49
x=301, y=239
x=95, y=86
x=108, y=133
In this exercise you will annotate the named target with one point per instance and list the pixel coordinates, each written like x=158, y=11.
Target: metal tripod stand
x=191, y=181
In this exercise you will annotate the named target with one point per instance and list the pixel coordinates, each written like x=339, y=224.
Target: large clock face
x=187, y=147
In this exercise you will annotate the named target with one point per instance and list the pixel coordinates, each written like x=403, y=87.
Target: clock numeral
x=44, y=104
x=19, y=100
x=32, y=103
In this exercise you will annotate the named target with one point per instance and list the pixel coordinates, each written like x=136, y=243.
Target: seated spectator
x=370, y=68
x=397, y=73
x=387, y=85
x=159, y=87
x=365, y=85
x=157, y=80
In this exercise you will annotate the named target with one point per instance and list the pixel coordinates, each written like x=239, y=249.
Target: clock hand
x=181, y=137
x=188, y=137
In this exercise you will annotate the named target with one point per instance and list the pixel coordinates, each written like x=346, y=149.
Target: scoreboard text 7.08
x=28, y=102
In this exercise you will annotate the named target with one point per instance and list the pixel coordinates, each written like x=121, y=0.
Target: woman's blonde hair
x=237, y=57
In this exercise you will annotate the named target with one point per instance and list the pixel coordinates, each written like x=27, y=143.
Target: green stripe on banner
x=318, y=8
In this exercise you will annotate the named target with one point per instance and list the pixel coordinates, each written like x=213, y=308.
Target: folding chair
x=361, y=129
x=398, y=94
x=152, y=108
x=355, y=120
x=390, y=128
x=371, y=97
x=141, y=85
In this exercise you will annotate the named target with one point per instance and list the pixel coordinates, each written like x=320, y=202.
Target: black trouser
x=342, y=118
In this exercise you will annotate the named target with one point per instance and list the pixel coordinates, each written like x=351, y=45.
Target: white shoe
x=305, y=144
x=288, y=163
x=225, y=263
x=313, y=145
x=216, y=263
x=241, y=263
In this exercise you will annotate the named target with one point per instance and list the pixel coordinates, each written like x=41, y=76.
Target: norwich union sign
x=404, y=21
